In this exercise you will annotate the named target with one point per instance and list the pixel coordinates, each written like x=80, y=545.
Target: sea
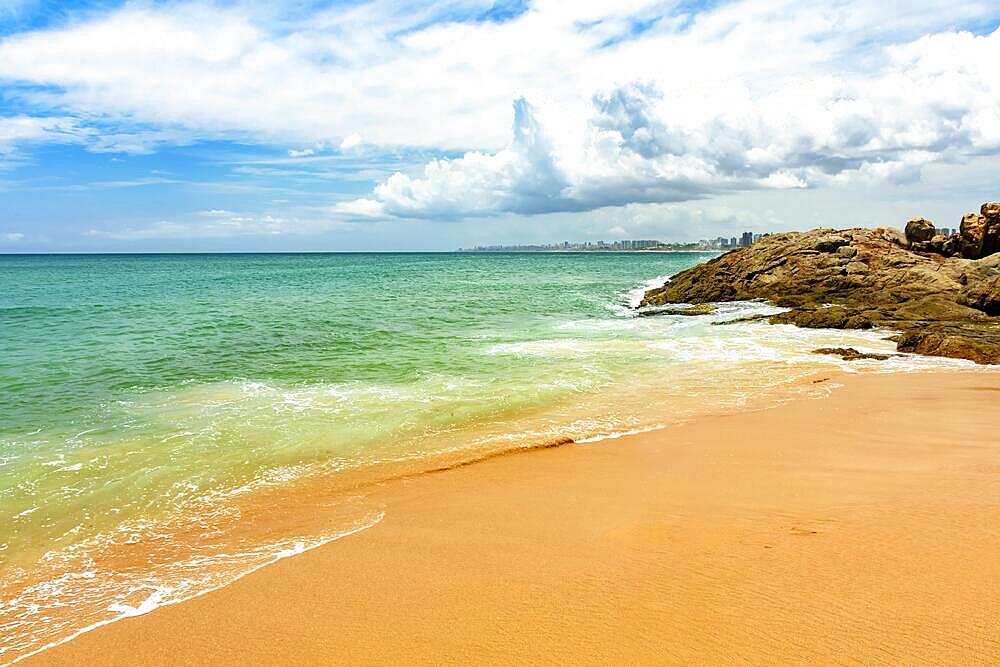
x=170, y=423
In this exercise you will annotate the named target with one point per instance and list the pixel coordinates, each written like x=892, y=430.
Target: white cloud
x=930, y=101
x=220, y=223
x=521, y=178
x=23, y=128
x=13, y=237
x=748, y=95
x=351, y=142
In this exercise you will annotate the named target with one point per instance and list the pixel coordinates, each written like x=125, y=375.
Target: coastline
x=861, y=525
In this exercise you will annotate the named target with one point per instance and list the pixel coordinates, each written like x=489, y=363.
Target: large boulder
x=952, y=245
x=919, y=230
x=990, y=212
x=980, y=232
x=936, y=245
x=984, y=295
x=972, y=231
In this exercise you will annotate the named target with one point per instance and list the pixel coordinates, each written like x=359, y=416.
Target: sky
x=344, y=126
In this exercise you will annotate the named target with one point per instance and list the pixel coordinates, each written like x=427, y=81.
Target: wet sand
x=863, y=527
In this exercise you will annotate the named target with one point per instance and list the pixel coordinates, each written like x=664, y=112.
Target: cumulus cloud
x=614, y=103
x=521, y=178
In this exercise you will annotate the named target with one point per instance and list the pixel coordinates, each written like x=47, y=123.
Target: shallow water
x=159, y=412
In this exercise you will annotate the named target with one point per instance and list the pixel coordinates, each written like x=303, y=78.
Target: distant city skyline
x=719, y=243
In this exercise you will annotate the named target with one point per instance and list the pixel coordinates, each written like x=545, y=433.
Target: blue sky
x=187, y=126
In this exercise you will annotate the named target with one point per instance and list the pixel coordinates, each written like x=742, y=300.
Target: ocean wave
x=31, y=616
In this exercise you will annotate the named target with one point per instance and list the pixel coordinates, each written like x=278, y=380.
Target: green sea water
x=147, y=401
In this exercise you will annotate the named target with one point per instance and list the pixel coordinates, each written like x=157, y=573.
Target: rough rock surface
x=856, y=279
x=979, y=233
x=919, y=230
x=700, y=309
x=850, y=354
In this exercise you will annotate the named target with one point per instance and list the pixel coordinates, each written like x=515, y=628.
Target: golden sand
x=860, y=528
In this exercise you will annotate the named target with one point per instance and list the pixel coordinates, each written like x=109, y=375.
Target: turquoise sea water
x=160, y=412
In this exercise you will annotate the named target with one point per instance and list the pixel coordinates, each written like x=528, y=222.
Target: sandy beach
x=859, y=528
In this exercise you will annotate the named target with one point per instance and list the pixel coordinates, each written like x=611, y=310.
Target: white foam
x=635, y=295
x=614, y=435
x=160, y=595
x=543, y=347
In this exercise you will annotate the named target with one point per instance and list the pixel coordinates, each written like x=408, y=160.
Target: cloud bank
x=613, y=103
x=934, y=99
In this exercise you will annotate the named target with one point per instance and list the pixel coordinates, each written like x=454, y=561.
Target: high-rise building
x=746, y=239
x=733, y=242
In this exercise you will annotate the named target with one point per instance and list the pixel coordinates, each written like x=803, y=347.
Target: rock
x=919, y=230
x=891, y=235
x=830, y=243
x=871, y=281
x=937, y=309
x=788, y=270
x=984, y=296
x=834, y=317
x=952, y=245
x=936, y=244
x=971, y=230
x=980, y=232
x=847, y=251
x=990, y=212
x=850, y=354
x=960, y=341
x=699, y=309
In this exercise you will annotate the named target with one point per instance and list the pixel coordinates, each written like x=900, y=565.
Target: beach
x=174, y=422
x=861, y=527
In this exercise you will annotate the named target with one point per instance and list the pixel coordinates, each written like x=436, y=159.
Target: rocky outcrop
x=862, y=278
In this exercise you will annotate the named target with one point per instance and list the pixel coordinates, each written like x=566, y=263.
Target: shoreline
x=464, y=544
